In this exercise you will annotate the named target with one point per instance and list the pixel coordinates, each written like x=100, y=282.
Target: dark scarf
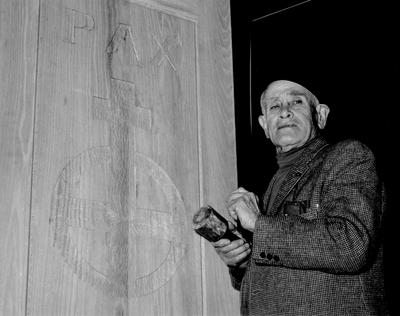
x=285, y=162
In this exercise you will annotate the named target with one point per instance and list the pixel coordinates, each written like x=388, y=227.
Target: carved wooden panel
x=18, y=44
x=133, y=133
x=117, y=136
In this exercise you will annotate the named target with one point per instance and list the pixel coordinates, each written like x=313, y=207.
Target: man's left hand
x=243, y=206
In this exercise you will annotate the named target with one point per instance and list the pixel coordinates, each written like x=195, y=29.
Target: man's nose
x=285, y=111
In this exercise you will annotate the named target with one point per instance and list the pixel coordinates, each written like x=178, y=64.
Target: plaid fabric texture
x=328, y=259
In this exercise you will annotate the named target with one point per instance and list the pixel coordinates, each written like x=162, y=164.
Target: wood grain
x=115, y=133
x=133, y=133
x=217, y=142
x=187, y=9
x=18, y=46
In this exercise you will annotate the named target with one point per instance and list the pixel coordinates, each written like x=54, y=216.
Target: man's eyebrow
x=291, y=93
x=271, y=99
x=298, y=93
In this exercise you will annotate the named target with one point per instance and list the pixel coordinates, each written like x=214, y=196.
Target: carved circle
x=68, y=211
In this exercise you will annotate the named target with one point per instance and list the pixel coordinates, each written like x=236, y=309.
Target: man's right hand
x=233, y=253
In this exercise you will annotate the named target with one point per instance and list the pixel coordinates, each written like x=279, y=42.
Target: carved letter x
x=162, y=53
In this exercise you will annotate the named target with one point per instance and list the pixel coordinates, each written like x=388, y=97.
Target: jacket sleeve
x=344, y=235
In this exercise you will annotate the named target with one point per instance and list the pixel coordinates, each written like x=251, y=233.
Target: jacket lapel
x=296, y=172
x=267, y=195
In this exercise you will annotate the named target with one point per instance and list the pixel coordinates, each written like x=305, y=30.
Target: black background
x=346, y=53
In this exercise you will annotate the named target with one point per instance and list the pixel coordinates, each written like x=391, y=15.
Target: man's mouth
x=286, y=126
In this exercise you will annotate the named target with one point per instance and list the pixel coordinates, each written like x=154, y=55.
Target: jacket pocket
x=310, y=214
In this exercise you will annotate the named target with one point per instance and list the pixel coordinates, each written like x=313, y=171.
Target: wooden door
x=18, y=43
x=134, y=131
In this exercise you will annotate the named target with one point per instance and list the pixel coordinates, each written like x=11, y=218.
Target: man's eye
x=295, y=102
x=274, y=106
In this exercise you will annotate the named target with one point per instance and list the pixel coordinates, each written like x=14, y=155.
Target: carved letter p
x=76, y=20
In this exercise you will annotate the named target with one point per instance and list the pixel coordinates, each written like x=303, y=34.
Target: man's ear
x=322, y=115
x=263, y=124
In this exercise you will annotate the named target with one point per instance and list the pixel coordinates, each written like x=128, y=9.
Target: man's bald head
x=280, y=86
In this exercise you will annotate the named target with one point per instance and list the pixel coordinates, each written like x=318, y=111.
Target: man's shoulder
x=350, y=148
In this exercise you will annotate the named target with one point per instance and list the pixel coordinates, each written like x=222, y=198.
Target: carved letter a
x=123, y=32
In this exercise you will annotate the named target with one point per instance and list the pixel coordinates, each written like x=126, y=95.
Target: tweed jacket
x=318, y=250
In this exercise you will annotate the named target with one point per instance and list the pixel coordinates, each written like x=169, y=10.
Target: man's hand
x=243, y=205
x=233, y=254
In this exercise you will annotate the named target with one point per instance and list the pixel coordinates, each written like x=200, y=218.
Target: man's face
x=287, y=118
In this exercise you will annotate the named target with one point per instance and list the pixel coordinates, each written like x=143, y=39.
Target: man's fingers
x=241, y=194
x=232, y=249
x=237, y=205
x=254, y=200
x=236, y=256
x=234, y=245
x=232, y=212
x=231, y=226
x=243, y=255
x=234, y=194
x=221, y=243
x=232, y=253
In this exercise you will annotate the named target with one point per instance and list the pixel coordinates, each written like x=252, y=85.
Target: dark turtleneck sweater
x=285, y=162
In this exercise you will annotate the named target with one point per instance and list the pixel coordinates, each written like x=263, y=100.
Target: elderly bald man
x=316, y=247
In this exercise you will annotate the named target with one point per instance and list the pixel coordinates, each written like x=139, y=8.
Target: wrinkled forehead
x=284, y=87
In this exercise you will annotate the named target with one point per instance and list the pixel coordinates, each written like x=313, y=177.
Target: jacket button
x=262, y=254
x=297, y=174
x=276, y=258
x=269, y=256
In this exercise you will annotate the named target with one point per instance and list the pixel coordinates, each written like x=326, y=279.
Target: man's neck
x=285, y=149
x=292, y=149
